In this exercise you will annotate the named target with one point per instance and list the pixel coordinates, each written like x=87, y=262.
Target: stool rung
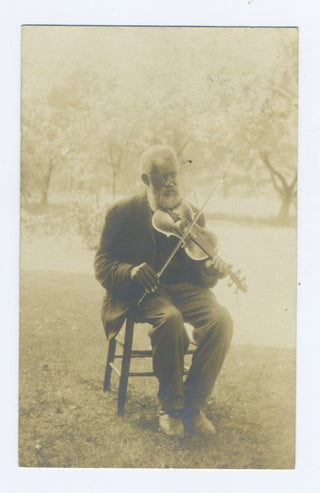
x=137, y=353
x=127, y=353
x=115, y=369
x=141, y=374
x=121, y=343
x=143, y=353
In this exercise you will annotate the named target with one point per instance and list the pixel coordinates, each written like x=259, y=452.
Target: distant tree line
x=89, y=132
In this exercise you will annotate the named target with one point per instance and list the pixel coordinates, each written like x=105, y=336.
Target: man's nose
x=170, y=180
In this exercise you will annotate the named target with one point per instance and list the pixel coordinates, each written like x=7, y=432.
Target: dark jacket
x=128, y=239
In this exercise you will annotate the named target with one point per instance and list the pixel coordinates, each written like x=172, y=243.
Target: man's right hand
x=146, y=276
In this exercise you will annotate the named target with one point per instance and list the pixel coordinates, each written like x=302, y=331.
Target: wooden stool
x=126, y=356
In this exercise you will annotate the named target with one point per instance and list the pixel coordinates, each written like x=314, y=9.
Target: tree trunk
x=285, y=206
x=285, y=190
x=44, y=197
x=46, y=184
x=114, y=174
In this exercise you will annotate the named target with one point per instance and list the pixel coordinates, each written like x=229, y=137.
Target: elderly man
x=130, y=254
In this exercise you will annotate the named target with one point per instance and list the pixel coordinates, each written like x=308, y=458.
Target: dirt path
x=266, y=315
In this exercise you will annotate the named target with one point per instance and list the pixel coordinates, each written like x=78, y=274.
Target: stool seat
x=127, y=353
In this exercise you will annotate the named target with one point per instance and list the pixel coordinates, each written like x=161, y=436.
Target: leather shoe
x=171, y=423
x=196, y=423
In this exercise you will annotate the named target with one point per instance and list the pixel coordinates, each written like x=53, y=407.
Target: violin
x=198, y=242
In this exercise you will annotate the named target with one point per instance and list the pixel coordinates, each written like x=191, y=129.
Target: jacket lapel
x=148, y=242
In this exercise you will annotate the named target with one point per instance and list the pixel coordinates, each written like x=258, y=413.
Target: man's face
x=164, y=183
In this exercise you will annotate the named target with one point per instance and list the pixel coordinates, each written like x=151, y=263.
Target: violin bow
x=185, y=234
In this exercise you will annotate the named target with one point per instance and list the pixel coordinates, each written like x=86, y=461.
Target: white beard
x=164, y=199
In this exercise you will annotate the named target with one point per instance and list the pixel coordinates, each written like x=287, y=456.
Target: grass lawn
x=67, y=421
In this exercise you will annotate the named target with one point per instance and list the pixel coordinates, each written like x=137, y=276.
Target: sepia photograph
x=158, y=247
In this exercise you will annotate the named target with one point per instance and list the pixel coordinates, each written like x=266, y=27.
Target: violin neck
x=197, y=236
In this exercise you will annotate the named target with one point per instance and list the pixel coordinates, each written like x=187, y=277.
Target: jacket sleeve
x=209, y=279
x=113, y=274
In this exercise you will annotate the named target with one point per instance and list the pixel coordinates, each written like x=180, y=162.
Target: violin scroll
x=198, y=242
x=234, y=277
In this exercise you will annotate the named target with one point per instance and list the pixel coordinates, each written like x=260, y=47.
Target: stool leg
x=110, y=358
x=125, y=365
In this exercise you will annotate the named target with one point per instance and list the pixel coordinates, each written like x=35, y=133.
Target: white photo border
x=293, y=13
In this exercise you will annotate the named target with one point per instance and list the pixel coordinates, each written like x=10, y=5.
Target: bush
x=80, y=216
x=88, y=218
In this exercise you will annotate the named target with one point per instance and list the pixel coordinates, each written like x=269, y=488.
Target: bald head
x=155, y=157
x=159, y=168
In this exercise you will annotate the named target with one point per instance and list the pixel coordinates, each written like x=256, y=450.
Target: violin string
x=228, y=270
x=187, y=231
x=183, y=237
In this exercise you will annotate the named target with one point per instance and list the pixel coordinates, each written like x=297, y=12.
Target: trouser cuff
x=172, y=405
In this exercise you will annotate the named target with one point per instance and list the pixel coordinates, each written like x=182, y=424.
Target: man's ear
x=145, y=179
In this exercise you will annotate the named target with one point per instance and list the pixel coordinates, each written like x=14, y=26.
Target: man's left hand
x=216, y=264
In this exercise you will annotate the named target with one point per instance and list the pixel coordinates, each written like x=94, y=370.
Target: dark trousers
x=167, y=310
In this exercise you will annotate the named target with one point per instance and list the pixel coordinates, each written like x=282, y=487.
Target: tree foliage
x=88, y=129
